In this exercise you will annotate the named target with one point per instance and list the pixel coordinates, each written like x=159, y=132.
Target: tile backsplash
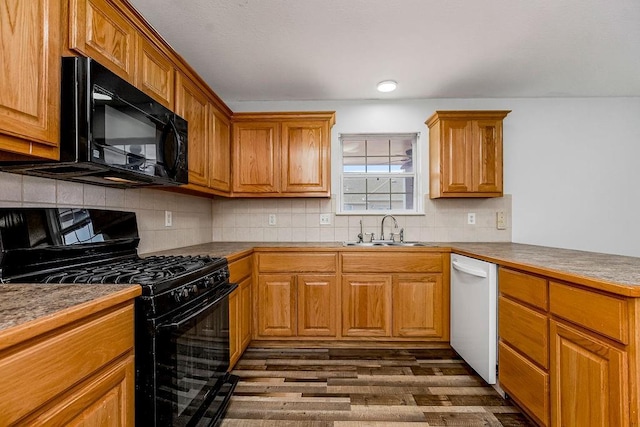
x=200, y=220
x=191, y=215
x=298, y=220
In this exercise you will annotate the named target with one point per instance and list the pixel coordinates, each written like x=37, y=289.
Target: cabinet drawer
x=525, y=383
x=524, y=329
x=297, y=262
x=240, y=269
x=388, y=262
x=37, y=373
x=523, y=287
x=600, y=313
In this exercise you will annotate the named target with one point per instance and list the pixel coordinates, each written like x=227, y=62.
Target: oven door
x=191, y=361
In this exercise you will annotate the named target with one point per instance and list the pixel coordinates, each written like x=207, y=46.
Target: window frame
x=416, y=174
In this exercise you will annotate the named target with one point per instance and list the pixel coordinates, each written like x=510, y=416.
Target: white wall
x=570, y=164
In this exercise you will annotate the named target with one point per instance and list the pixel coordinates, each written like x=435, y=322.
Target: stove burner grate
x=144, y=271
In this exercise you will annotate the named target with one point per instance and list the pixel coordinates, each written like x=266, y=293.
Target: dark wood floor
x=346, y=387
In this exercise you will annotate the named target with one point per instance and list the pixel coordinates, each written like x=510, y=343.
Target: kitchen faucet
x=395, y=225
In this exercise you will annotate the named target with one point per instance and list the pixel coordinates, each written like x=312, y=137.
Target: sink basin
x=408, y=244
x=393, y=244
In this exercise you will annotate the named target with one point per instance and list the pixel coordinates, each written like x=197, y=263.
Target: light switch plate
x=168, y=219
x=272, y=219
x=325, y=219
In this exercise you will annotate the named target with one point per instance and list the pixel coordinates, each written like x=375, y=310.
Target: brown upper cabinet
x=209, y=138
x=107, y=34
x=282, y=154
x=465, y=153
x=220, y=150
x=191, y=103
x=155, y=74
x=98, y=30
x=30, y=85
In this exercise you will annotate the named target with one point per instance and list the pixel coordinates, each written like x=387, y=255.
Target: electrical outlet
x=471, y=218
x=325, y=219
x=501, y=221
x=168, y=219
x=272, y=219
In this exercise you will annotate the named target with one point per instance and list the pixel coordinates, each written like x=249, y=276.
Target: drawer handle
x=472, y=271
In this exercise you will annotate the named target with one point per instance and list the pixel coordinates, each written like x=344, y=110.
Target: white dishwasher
x=474, y=327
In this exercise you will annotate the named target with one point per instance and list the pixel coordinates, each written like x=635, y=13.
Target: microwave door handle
x=178, y=321
x=170, y=128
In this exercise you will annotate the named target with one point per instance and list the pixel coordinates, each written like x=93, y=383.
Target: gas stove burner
x=144, y=271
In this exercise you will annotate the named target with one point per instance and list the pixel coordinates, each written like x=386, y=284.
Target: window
x=378, y=173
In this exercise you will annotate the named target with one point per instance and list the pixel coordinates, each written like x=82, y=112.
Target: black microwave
x=113, y=134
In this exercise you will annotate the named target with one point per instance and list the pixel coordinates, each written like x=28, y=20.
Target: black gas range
x=182, y=319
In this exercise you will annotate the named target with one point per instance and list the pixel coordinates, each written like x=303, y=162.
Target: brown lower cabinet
x=525, y=382
x=297, y=295
x=392, y=305
x=297, y=305
x=78, y=369
x=588, y=377
x=240, y=307
x=565, y=351
x=386, y=295
x=395, y=295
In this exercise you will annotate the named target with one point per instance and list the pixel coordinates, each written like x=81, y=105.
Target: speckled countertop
x=613, y=273
x=22, y=303
x=588, y=268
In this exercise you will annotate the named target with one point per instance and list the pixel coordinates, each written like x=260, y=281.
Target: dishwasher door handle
x=469, y=270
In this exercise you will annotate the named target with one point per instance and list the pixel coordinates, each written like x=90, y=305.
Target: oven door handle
x=178, y=321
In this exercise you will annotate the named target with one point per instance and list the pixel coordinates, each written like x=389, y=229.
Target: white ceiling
x=339, y=49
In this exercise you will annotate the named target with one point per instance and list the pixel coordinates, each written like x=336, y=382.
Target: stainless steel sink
x=392, y=244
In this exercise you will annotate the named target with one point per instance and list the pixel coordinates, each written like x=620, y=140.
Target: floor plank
x=357, y=387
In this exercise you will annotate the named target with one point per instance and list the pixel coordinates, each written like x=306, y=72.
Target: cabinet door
x=276, y=305
x=30, y=82
x=191, y=103
x=220, y=155
x=417, y=305
x=104, y=400
x=588, y=380
x=457, y=152
x=317, y=305
x=155, y=74
x=487, y=156
x=245, y=314
x=256, y=157
x=235, y=327
x=305, y=157
x=99, y=31
x=366, y=305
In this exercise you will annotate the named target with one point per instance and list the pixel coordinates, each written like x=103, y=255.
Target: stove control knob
x=194, y=289
x=208, y=281
x=185, y=292
x=176, y=296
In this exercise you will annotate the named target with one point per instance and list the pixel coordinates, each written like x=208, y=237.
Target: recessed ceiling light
x=387, y=86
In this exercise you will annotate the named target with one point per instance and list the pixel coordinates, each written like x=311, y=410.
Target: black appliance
x=182, y=318
x=112, y=134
